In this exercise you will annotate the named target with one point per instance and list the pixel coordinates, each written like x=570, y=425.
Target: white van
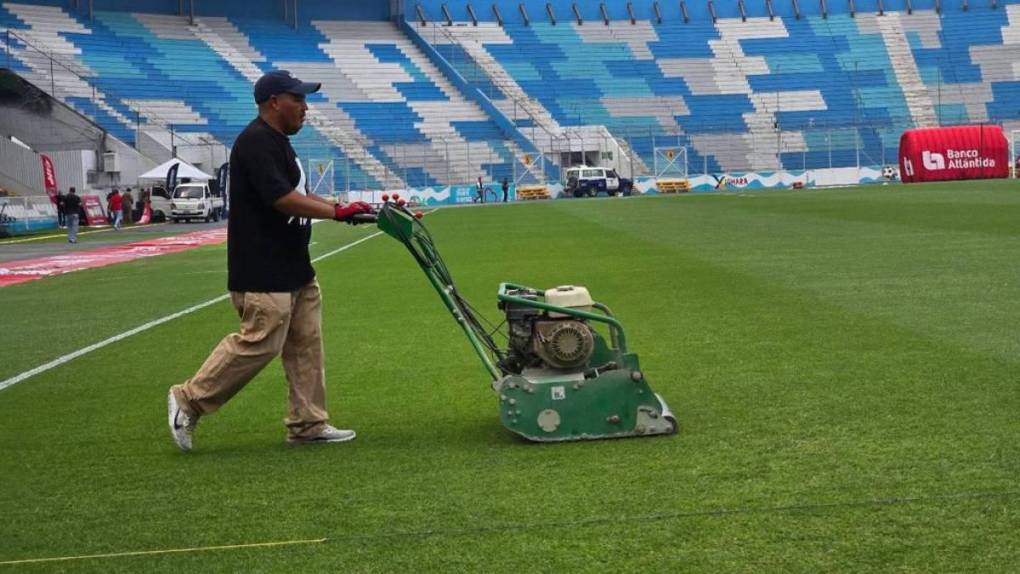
x=195, y=201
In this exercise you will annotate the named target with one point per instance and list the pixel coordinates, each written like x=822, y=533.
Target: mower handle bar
x=363, y=218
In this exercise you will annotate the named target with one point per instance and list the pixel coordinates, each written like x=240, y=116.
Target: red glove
x=343, y=213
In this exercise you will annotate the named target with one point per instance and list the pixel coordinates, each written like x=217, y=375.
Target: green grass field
x=843, y=363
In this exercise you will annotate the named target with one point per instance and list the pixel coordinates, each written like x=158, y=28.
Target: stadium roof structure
x=42, y=122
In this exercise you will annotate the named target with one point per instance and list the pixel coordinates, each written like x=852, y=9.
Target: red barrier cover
x=950, y=153
x=14, y=272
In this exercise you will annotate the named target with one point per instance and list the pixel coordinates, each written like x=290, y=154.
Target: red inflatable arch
x=957, y=152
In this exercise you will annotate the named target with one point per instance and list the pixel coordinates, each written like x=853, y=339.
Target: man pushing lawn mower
x=270, y=276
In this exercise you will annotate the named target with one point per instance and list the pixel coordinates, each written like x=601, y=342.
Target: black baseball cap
x=280, y=81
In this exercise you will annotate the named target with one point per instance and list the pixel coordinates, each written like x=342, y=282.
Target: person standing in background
x=115, y=205
x=60, y=209
x=506, y=189
x=72, y=206
x=127, y=202
x=480, y=189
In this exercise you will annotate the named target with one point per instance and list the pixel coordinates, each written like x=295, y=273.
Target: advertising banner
x=171, y=178
x=436, y=196
x=94, y=214
x=49, y=177
x=223, y=181
x=953, y=153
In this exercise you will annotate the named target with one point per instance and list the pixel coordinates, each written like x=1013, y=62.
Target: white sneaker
x=329, y=433
x=181, y=425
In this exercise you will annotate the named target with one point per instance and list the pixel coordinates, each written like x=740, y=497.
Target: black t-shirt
x=72, y=203
x=266, y=249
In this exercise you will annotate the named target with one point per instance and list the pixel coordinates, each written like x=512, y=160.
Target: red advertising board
x=950, y=153
x=49, y=177
x=94, y=214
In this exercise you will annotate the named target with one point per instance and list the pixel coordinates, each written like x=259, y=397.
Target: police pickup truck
x=195, y=201
x=589, y=181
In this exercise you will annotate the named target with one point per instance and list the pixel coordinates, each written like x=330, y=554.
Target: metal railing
x=551, y=142
x=438, y=163
x=476, y=75
x=805, y=146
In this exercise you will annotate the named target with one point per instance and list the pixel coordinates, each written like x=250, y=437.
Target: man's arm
x=316, y=197
x=301, y=205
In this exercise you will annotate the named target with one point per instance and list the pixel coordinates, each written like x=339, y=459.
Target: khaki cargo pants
x=287, y=324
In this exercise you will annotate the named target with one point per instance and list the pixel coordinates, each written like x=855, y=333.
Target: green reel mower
x=559, y=378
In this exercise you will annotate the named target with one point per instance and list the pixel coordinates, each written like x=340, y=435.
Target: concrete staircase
x=916, y=94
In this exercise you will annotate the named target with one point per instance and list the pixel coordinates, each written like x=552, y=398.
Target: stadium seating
x=386, y=116
x=738, y=93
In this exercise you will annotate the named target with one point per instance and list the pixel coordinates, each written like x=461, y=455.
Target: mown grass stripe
x=155, y=323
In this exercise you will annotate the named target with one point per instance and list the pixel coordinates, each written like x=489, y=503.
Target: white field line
x=345, y=247
x=38, y=237
x=74, y=355
x=85, y=350
x=168, y=551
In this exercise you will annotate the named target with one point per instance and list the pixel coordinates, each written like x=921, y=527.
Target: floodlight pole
x=779, y=133
x=938, y=110
x=857, y=127
x=1012, y=152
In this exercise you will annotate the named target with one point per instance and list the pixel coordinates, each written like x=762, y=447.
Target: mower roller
x=559, y=379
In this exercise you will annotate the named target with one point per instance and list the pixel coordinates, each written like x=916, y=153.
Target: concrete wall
x=71, y=168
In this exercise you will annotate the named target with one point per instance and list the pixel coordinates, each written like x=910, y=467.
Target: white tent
x=186, y=170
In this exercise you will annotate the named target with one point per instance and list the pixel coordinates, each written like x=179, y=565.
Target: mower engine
x=547, y=339
x=562, y=380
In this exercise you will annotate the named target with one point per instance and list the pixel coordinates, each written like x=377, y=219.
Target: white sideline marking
x=74, y=355
x=64, y=235
x=344, y=247
x=71, y=356
x=168, y=551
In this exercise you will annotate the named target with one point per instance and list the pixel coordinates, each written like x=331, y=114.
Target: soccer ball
x=889, y=172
